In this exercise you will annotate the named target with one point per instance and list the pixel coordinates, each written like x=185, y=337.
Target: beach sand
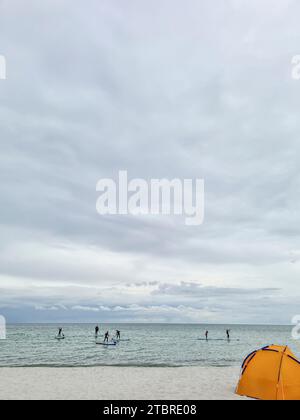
x=119, y=383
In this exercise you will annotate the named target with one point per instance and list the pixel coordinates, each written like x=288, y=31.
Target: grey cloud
x=197, y=290
x=170, y=90
x=190, y=301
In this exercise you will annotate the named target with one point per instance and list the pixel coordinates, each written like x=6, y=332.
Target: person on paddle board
x=118, y=334
x=96, y=330
x=60, y=333
x=106, y=337
x=228, y=334
x=206, y=335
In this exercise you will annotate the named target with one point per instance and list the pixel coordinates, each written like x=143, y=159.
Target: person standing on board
x=206, y=335
x=96, y=330
x=118, y=335
x=106, y=337
x=60, y=334
x=228, y=334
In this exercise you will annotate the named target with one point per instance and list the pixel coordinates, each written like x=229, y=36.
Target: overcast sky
x=162, y=89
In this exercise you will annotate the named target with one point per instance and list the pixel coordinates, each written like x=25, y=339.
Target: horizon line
x=146, y=323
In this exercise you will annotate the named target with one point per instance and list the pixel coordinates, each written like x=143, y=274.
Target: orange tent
x=271, y=373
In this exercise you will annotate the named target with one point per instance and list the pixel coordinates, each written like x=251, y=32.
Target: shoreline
x=119, y=383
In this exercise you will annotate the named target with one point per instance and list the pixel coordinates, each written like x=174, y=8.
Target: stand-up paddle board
x=107, y=344
x=60, y=338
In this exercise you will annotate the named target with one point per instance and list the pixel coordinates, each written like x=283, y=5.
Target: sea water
x=149, y=345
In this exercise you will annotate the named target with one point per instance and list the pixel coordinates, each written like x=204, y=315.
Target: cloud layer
x=200, y=90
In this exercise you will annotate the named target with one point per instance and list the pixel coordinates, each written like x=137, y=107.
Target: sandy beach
x=114, y=383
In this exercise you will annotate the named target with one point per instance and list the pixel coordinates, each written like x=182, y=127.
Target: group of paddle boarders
x=117, y=336
x=106, y=335
x=97, y=329
x=227, y=334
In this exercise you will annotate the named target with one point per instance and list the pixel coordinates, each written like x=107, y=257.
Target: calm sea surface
x=149, y=345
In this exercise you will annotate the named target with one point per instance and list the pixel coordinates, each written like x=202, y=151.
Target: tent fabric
x=271, y=373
